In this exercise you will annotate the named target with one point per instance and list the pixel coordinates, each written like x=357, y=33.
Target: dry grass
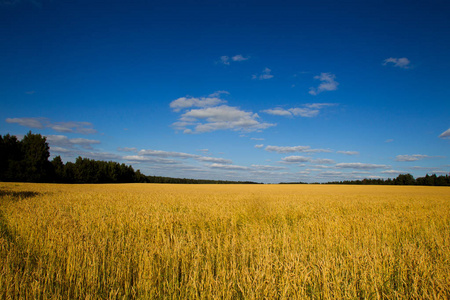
x=152, y=241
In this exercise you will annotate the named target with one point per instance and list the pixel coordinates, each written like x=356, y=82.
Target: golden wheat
x=151, y=241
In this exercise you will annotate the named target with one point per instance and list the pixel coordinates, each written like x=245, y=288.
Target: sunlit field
x=148, y=241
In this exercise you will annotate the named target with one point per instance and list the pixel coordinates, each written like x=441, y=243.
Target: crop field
x=150, y=241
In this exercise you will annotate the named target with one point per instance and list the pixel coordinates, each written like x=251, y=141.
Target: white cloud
x=307, y=111
x=403, y=62
x=126, y=149
x=301, y=149
x=161, y=153
x=222, y=117
x=268, y=168
x=330, y=173
x=187, y=102
x=155, y=160
x=65, y=127
x=295, y=159
x=328, y=83
x=172, y=154
x=445, y=134
x=228, y=167
x=304, y=112
x=28, y=122
x=266, y=74
x=59, y=150
x=259, y=146
x=226, y=59
x=361, y=166
x=214, y=160
x=73, y=127
x=64, y=141
x=239, y=57
x=211, y=117
x=392, y=172
x=414, y=157
x=257, y=139
x=323, y=161
x=278, y=112
x=348, y=152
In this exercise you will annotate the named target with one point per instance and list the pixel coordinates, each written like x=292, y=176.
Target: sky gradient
x=267, y=91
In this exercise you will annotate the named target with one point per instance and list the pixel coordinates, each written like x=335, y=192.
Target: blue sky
x=267, y=91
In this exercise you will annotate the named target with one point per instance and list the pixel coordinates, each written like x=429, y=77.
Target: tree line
x=27, y=160
x=402, y=179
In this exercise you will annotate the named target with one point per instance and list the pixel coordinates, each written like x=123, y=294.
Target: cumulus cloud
x=348, y=152
x=187, y=102
x=445, y=134
x=414, y=157
x=222, y=117
x=402, y=62
x=328, y=83
x=212, y=116
x=259, y=146
x=295, y=159
x=266, y=74
x=307, y=111
x=361, y=166
x=65, y=127
x=292, y=149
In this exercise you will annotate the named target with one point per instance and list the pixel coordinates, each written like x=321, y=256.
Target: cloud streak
x=402, y=62
x=307, y=111
x=292, y=149
x=360, y=166
x=171, y=154
x=445, y=134
x=348, y=152
x=64, y=127
x=414, y=157
x=59, y=142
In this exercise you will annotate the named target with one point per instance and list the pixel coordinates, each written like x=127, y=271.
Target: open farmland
x=224, y=241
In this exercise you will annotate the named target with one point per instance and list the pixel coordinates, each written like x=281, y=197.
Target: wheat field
x=150, y=241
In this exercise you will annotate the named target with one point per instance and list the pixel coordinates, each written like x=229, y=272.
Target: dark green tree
x=58, y=169
x=36, y=153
